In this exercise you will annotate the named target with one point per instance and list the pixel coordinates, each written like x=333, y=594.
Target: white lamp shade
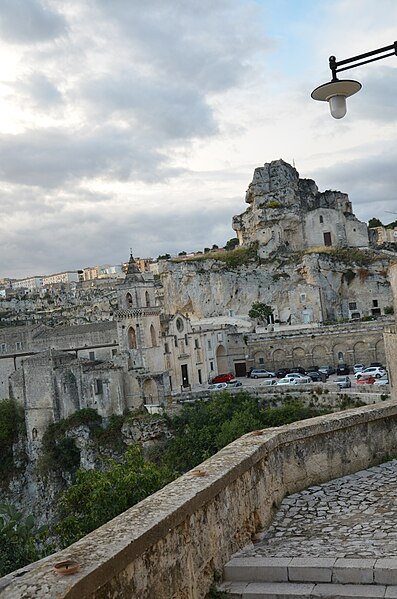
x=337, y=106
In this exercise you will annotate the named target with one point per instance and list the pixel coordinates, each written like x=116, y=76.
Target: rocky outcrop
x=291, y=213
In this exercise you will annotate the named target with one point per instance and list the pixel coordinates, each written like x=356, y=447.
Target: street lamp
x=337, y=90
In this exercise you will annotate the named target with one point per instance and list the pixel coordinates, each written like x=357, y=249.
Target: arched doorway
x=279, y=359
x=361, y=354
x=298, y=356
x=221, y=359
x=320, y=356
x=150, y=392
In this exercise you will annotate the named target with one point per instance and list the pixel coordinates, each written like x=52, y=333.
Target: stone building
x=289, y=212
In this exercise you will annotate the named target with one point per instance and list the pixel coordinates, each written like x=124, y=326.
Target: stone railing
x=169, y=545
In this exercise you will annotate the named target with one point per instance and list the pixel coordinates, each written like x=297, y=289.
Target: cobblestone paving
x=353, y=517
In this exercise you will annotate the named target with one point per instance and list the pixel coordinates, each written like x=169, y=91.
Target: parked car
x=268, y=382
x=366, y=379
x=262, y=373
x=217, y=387
x=343, y=369
x=343, y=382
x=286, y=381
x=384, y=380
x=223, y=378
x=299, y=369
x=281, y=372
x=375, y=371
x=358, y=368
x=314, y=375
x=234, y=383
x=327, y=370
x=298, y=377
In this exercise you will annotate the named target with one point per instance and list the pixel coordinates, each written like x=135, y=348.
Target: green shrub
x=12, y=422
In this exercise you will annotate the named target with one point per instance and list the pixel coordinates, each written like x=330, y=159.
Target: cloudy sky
x=138, y=124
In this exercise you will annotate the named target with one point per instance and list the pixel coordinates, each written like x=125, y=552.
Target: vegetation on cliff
x=12, y=423
x=97, y=495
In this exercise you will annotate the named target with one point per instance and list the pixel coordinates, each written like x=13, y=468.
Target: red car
x=223, y=378
x=366, y=379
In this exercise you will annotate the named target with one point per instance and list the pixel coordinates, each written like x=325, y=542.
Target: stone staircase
x=307, y=578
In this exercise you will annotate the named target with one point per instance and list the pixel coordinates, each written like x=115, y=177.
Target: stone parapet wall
x=170, y=544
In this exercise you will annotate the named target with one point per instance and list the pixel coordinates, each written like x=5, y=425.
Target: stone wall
x=170, y=544
x=355, y=342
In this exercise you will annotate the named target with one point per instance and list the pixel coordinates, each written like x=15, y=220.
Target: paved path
x=352, y=517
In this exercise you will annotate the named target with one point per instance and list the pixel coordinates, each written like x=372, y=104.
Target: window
x=352, y=306
x=186, y=340
x=147, y=298
x=18, y=345
x=196, y=344
x=176, y=340
x=321, y=219
x=199, y=376
x=98, y=386
x=261, y=361
x=3, y=347
x=212, y=365
x=209, y=343
x=166, y=348
x=153, y=336
x=114, y=352
x=179, y=324
x=131, y=338
x=128, y=298
x=220, y=337
x=303, y=297
x=91, y=355
x=374, y=303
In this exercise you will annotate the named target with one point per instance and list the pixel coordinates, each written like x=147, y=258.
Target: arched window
x=321, y=219
x=131, y=338
x=34, y=434
x=147, y=298
x=128, y=298
x=153, y=336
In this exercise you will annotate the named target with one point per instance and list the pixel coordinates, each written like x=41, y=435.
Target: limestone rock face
x=290, y=213
x=309, y=288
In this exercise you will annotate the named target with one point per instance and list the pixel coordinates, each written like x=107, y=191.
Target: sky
x=128, y=124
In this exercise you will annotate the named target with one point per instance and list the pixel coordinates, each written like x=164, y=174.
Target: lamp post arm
x=357, y=61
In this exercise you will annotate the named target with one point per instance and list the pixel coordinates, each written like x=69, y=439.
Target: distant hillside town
x=116, y=337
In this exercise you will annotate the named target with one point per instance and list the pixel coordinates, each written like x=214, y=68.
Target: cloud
x=51, y=157
x=370, y=181
x=29, y=21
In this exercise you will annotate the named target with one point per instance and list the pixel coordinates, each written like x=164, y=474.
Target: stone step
x=374, y=571
x=291, y=590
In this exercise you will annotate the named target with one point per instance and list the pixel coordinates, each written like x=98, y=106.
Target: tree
x=231, y=244
x=182, y=253
x=260, y=311
x=17, y=539
x=97, y=496
x=374, y=222
x=164, y=257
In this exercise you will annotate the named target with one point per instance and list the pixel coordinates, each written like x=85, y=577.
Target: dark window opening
x=199, y=376
x=327, y=239
x=374, y=303
x=321, y=219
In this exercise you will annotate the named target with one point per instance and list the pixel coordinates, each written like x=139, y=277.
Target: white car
x=358, y=368
x=287, y=381
x=375, y=371
x=217, y=387
x=383, y=380
x=300, y=378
